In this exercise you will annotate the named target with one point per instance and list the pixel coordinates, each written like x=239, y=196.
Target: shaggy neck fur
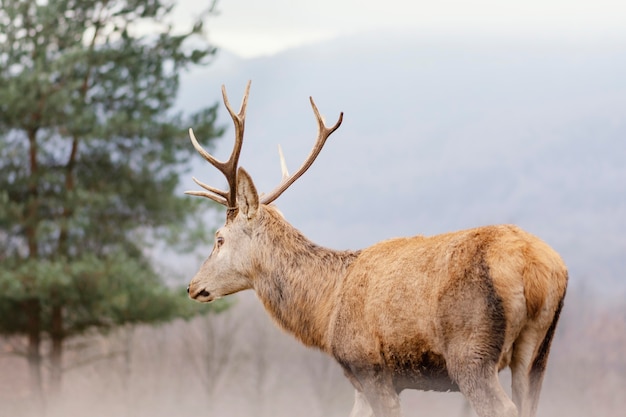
x=297, y=280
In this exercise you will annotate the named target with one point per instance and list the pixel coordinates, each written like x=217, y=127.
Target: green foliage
x=90, y=155
x=98, y=292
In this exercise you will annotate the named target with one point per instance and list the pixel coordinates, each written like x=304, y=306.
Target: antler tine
x=239, y=120
x=283, y=164
x=209, y=188
x=216, y=195
x=229, y=167
x=222, y=196
x=323, y=133
x=213, y=197
x=203, y=151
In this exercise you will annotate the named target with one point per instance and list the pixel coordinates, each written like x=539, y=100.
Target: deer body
x=442, y=313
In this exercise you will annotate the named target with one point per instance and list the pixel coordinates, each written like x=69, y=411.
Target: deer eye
x=219, y=241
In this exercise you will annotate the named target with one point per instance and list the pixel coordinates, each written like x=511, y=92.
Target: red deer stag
x=442, y=313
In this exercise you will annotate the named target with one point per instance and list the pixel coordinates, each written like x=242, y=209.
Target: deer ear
x=247, y=197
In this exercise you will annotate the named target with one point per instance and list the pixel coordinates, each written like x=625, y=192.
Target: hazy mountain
x=438, y=135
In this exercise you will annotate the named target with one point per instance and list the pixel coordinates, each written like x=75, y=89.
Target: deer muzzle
x=202, y=295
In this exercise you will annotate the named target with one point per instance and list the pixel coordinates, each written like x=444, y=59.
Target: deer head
x=229, y=267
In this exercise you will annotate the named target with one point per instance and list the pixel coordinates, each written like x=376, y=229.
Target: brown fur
x=434, y=313
x=445, y=312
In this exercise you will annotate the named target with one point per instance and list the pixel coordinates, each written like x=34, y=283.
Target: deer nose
x=196, y=294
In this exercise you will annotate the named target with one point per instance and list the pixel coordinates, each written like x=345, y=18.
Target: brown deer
x=442, y=313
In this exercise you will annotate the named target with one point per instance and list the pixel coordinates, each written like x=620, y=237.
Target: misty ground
x=240, y=364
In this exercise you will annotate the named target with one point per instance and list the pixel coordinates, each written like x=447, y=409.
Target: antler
x=229, y=167
x=323, y=133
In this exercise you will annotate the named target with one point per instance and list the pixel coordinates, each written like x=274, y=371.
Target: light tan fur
x=445, y=312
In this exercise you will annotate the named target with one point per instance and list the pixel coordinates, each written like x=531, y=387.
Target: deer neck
x=298, y=282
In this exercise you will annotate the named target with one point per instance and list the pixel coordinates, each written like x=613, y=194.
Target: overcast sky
x=253, y=28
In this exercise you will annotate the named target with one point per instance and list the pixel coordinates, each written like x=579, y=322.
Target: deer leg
x=479, y=383
x=523, y=352
x=375, y=394
x=381, y=395
x=488, y=398
x=528, y=366
x=361, y=407
x=535, y=381
x=384, y=402
x=527, y=378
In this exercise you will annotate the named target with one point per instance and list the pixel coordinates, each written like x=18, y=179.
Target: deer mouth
x=202, y=296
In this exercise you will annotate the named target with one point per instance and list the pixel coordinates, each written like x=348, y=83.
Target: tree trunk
x=32, y=310
x=128, y=333
x=56, y=353
x=32, y=306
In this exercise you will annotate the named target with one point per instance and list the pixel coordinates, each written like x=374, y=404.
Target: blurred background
x=456, y=114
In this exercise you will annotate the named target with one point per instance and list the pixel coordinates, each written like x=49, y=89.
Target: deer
x=438, y=313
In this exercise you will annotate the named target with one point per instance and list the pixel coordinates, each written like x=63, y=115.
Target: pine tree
x=90, y=158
